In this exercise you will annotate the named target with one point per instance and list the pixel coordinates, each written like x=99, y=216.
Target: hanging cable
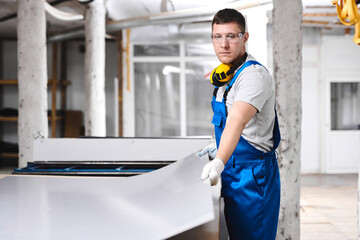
x=348, y=14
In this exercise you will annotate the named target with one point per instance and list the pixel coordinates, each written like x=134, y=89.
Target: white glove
x=210, y=149
x=213, y=170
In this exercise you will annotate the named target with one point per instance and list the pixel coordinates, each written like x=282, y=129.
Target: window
x=157, y=103
x=199, y=92
x=172, y=89
x=345, y=106
x=156, y=50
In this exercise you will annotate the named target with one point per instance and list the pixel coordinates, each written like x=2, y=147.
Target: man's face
x=229, y=48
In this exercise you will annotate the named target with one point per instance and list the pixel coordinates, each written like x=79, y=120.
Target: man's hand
x=212, y=170
x=210, y=149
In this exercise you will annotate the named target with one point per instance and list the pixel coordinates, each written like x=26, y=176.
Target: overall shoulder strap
x=245, y=65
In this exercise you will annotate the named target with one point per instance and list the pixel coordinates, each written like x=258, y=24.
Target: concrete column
x=32, y=76
x=287, y=55
x=95, y=115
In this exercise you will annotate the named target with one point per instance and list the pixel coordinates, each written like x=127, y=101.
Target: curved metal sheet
x=155, y=205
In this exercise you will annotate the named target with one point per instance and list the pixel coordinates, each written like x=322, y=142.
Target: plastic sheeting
x=156, y=205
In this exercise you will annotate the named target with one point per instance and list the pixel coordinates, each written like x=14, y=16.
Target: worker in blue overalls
x=246, y=132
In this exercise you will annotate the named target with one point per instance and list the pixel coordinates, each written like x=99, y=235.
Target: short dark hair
x=229, y=15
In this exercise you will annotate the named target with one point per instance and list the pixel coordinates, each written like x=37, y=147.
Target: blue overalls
x=250, y=181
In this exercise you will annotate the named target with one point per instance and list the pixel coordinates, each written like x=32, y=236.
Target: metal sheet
x=117, y=149
x=155, y=205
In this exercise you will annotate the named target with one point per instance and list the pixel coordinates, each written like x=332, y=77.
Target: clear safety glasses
x=231, y=38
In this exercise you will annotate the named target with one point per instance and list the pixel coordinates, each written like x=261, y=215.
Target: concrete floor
x=328, y=206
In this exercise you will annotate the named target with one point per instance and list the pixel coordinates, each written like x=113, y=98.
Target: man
x=246, y=132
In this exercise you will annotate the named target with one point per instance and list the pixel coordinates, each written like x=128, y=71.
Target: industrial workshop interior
x=105, y=106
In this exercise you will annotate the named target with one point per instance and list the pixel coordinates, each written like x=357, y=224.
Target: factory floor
x=328, y=206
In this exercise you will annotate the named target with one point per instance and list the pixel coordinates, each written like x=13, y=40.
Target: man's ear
x=246, y=37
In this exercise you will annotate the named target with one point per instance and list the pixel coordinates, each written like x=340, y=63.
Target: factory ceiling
x=124, y=14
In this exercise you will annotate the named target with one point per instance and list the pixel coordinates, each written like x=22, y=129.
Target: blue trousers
x=251, y=192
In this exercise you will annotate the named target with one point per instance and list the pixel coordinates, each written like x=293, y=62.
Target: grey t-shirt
x=255, y=86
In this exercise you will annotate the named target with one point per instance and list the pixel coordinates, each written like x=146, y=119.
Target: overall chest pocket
x=217, y=120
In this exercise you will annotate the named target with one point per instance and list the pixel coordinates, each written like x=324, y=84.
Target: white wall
x=332, y=59
x=341, y=58
x=311, y=137
x=75, y=74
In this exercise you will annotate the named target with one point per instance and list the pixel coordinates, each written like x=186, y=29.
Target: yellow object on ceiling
x=348, y=13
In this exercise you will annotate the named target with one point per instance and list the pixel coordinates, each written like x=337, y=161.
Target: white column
x=116, y=107
x=287, y=53
x=95, y=115
x=182, y=75
x=32, y=76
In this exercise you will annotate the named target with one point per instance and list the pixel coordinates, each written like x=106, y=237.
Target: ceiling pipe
x=14, y=15
x=173, y=17
x=61, y=15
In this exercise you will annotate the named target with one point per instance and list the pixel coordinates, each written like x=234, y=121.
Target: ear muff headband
x=222, y=74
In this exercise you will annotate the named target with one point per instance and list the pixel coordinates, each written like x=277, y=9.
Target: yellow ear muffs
x=222, y=74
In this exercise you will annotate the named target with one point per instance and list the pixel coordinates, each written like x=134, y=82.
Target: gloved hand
x=213, y=170
x=210, y=149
